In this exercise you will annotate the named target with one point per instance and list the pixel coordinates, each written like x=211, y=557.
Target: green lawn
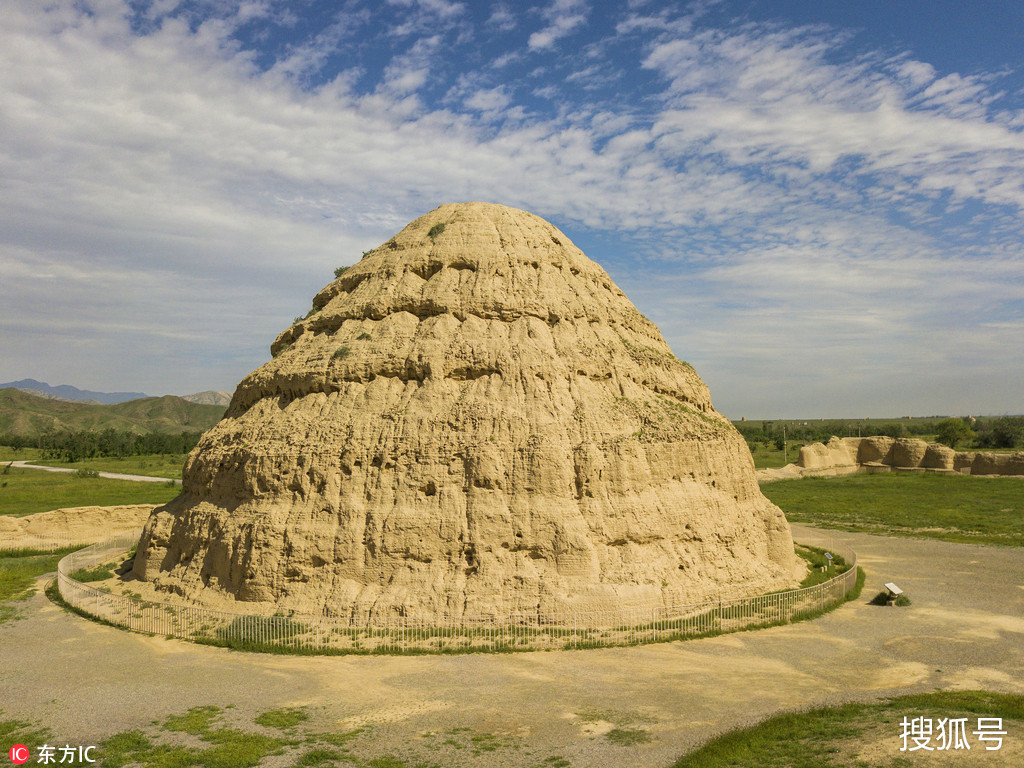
x=154, y=465
x=815, y=558
x=957, y=508
x=18, y=571
x=27, y=491
x=766, y=457
x=859, y=735
x=7, y=453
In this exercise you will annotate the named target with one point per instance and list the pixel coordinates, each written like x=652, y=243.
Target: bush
x=363, y=337
x=435, y=230
x=85, y=575
x=953, y=432
x=341, y=271
x=882, y=598
x=1004, y=432
x=341, y=352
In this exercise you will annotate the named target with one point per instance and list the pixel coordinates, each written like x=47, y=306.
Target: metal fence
x=521, y=631
x=47, y=543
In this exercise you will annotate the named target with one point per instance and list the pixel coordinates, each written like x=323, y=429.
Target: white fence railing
x=395, y=634
x=48, y=543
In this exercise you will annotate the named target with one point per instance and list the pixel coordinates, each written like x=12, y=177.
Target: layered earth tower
x=473, y=421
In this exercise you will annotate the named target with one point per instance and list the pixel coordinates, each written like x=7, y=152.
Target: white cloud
x=489, y=100
x=774, y=101
x=502, y=18
x=563, y=17
x=647, y=24
x=183, y=204
x=441, y=8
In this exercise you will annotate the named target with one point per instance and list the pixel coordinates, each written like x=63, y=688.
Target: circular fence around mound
x=329, y=634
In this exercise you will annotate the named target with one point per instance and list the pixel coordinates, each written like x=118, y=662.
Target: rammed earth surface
x=473, y=421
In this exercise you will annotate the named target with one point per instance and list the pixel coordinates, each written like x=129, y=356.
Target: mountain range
x=22, y=413
x=67, y=392
x=74, y=394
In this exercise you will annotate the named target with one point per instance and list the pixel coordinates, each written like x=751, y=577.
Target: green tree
x=1004, y=432
x=953, y=432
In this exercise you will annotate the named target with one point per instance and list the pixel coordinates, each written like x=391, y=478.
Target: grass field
x=7, y=453
x=215, y=737
x=18, y=571
x=27, y=491
x=849, y=736
x=957, y=508
x=766, y=457
x=859, y=735
x=154, y=465
x=815, y=557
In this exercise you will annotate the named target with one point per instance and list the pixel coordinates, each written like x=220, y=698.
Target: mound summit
x=474, y=421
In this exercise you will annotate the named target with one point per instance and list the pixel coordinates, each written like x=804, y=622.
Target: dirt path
x=109, y=475
x=964, y=630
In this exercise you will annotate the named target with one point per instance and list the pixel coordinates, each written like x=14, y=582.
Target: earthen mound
x=474, y=421
x=71, y=525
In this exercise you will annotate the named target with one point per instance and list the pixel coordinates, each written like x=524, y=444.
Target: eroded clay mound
x=77, y=525
x=476, y=421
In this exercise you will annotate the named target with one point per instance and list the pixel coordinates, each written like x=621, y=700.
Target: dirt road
x=109, y=475
x=965, y=629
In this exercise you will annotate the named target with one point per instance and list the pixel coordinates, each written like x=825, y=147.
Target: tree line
x=771, y=432
x=964, y=433
x=1004, y=432
x=66, y=445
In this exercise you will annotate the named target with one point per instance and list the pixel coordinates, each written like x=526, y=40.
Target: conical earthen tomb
x=474, y=421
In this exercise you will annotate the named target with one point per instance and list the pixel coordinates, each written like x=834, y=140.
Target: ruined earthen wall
x=849, y=455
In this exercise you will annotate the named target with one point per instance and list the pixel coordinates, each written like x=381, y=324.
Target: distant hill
x=67, y=392
x=209, y=397
x=25, y=414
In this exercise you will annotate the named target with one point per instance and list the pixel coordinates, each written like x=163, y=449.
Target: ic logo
x=19, y=754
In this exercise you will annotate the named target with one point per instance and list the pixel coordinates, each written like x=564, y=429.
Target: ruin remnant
x=473, y=421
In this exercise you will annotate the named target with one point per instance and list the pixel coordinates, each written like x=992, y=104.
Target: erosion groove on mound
x=472, y=423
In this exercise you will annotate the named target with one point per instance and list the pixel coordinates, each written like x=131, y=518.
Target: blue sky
x=820, y=204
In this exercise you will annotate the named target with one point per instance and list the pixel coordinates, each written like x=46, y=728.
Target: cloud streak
x=739, y=182
x=563, y=17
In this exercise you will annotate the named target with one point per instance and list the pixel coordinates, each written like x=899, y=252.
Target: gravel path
x=965, y=629
x=109, y=475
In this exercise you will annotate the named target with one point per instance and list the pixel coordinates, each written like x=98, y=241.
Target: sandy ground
x=965, y=629
x=71, y=525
